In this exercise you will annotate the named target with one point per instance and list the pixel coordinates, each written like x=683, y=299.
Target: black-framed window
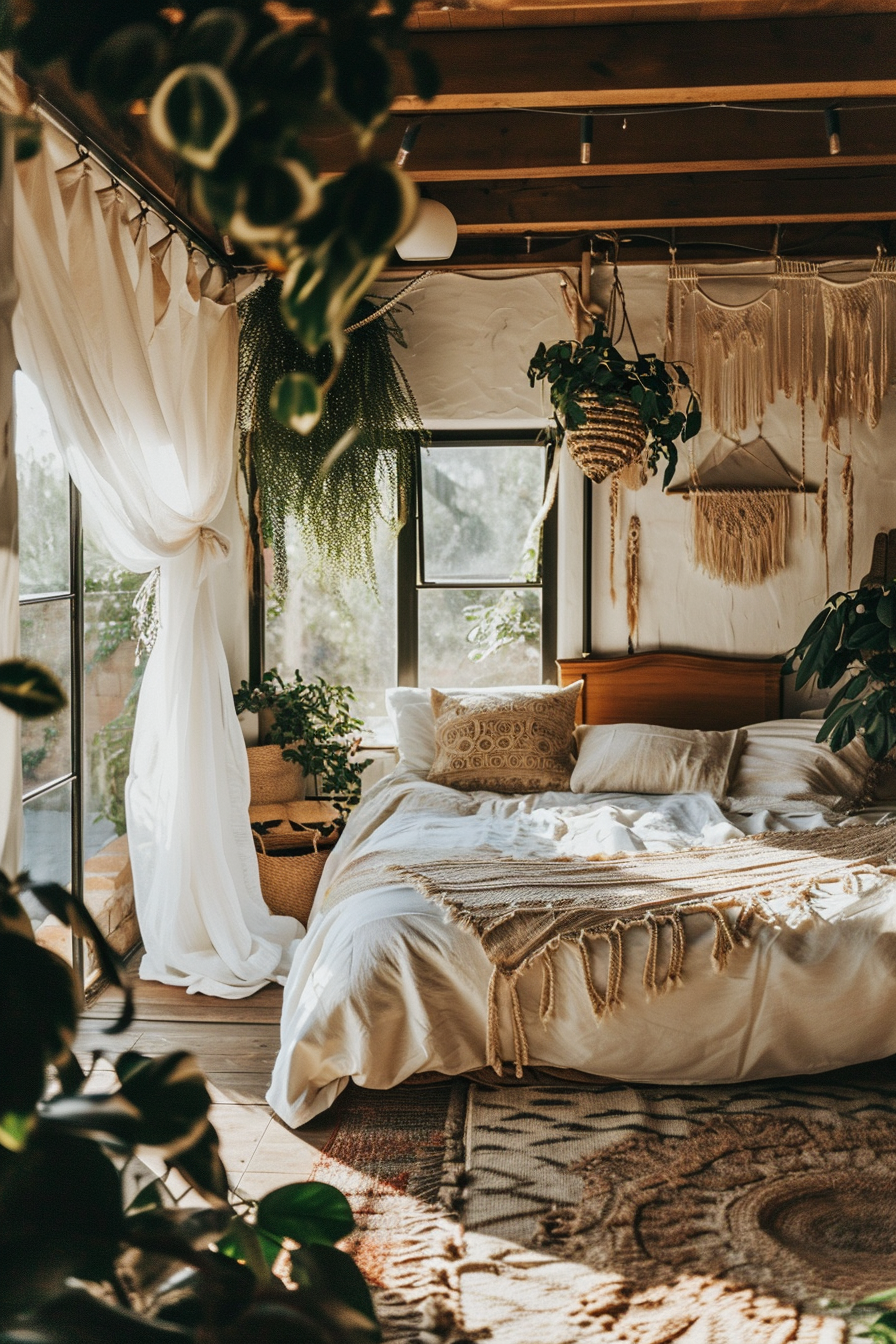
x=76, y=616
x=477, y=579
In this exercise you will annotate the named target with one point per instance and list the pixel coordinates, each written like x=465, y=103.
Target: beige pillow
x=507, y=744
x=782, y=761
x=641, y=758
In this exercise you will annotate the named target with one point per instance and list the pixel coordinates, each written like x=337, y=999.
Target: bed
x=385, y=985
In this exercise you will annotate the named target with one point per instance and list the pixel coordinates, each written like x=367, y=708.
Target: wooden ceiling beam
x=457, y=15
x=490, y=209
x=629, y=65
x=494, y=145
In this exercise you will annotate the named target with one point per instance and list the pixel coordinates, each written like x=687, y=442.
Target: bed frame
x=676, y=690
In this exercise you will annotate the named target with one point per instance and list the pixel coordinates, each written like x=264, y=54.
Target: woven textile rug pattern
x=755, y=1214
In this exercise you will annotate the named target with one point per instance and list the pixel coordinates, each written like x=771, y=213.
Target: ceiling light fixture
x=432, y=236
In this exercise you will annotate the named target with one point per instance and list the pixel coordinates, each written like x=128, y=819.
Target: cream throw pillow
x=782, y=762
x=516, y=744
x=641, y=758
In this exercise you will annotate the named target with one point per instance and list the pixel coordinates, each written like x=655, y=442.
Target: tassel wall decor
x=633, y=578
x=823, y=522
x=614, y=523
x=846, y=489
x=740, y=536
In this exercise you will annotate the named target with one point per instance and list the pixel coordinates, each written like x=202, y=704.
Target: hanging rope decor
x=740, y=536
x=633, y=578
x=614, y=523
x=823, y=523
x=846, y=489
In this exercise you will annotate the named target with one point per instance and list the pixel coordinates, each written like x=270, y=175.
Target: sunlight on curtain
x=135, y=357
x=10, y=755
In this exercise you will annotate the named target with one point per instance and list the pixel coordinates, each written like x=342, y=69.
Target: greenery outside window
x=476, y=577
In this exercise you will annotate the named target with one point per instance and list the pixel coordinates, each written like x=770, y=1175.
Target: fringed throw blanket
x=521, y=909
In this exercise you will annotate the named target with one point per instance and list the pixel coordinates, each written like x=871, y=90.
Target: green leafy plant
x=312, y=723
x=236, y=93
x=595, y=365
x=356, y=463
x=854, y=634
x=94, y=1245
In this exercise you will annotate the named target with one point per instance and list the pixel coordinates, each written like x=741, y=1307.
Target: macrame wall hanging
x=741, y=511
x=809, y=335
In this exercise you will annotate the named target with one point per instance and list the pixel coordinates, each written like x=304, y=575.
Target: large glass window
x=77, y=617
x=465, y=598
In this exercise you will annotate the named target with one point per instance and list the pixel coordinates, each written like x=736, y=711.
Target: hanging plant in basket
x=612, y=408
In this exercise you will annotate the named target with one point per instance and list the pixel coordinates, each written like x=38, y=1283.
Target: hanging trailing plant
x=355, y=466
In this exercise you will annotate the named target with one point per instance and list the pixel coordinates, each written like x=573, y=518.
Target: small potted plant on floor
x=305, y=728
x=613, y=408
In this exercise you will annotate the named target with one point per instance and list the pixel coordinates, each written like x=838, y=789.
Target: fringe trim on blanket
x=523, y=909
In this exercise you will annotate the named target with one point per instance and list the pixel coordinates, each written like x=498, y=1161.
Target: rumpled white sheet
x=384, y=985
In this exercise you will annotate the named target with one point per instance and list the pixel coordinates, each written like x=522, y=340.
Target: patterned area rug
x=396, y=1156
x=755, y=1214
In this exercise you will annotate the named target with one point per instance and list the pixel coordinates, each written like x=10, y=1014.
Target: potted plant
x=613, y=408
x=306, y=728
x=854, y=635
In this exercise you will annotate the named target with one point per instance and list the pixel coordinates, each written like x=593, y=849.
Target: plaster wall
x=469, y=342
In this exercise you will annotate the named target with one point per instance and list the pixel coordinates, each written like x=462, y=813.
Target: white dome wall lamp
x=432, y=236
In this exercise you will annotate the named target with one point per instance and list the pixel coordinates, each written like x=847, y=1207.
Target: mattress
x=384, y=985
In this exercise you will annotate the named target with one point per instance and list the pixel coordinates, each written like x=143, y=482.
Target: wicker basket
x=613, y=437
x=272, y=779
x=289, y=881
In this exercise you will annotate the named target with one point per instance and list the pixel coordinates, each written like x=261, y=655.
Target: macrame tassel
x=614, y=521
x=859, y=352
x=740, y=536
x=803, y=467
x=846, y=489
x=823, y=522
x=633, y=577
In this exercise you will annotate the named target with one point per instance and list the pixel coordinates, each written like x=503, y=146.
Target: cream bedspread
x=384, y=986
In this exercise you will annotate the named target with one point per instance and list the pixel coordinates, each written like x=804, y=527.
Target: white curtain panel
x=136, y=359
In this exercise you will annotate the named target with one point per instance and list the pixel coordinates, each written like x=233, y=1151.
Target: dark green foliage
x=29, y=689
x=237, y=99
x=595, y=365
x=335, y=481
x=854, y=633
x=76, y=1204
x=313, y=724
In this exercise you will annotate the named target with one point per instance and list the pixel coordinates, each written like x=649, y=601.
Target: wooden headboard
x=676, y=690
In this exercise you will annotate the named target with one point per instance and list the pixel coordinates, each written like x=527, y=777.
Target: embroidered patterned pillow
x=506, y=744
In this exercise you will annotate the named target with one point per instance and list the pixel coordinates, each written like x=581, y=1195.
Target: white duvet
x=384, y=985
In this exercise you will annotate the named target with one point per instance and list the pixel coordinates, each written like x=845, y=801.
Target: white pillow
x=782, y=760
x=411, y=715
x=643, y=758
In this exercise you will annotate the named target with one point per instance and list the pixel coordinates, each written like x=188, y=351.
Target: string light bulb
x=586, y=137
x=832, y=129
x=408, y=141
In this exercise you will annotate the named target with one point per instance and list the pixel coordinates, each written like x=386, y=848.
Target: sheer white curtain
x=137, y=362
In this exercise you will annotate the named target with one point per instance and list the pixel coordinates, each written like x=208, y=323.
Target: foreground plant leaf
x=306, y=1212
x=29, y=689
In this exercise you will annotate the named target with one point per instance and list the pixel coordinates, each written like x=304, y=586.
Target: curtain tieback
x=213, y=544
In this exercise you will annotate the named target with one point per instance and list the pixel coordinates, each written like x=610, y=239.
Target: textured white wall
x=470, y=342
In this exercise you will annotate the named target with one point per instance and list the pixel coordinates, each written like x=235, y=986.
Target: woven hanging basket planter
x=614, y=436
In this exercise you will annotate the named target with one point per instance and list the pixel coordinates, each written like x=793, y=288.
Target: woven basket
x=613, y=437
x=289, y=881
x=272, y=779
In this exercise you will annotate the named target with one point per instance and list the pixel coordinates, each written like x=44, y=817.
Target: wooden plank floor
x=236, y=1042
